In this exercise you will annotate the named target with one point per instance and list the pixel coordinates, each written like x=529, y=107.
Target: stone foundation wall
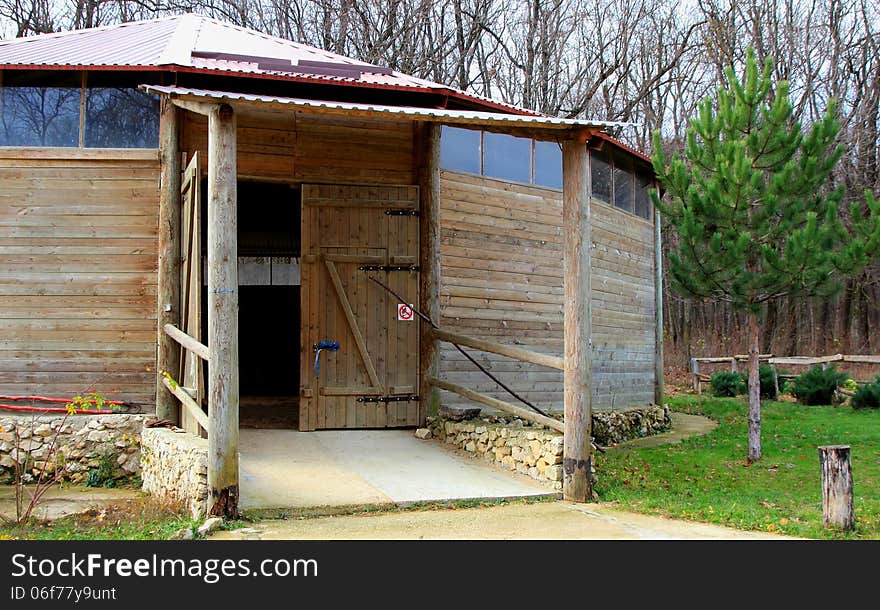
x=612, y=427
x=82, y=443
x=174, y=467
x=534, y=450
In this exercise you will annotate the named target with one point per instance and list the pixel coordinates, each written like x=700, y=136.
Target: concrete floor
x=290, y=469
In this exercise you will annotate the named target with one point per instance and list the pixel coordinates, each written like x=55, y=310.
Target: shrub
x=104, y=474
x=768, y=382
x=727, y=383
x=867, y=396
x=817, y=386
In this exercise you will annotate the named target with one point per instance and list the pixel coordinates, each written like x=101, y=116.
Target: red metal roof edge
x=439, y=90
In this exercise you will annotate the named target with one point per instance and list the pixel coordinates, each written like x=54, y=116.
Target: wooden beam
x=187, y=401
x=204, y=108
x=222, y=314
x=658, y=312
x=577, y=377
x=429, y=264
x=501, y=405
x=862, y=359
x=168, y=293
x=517, y=353
x=188, y=342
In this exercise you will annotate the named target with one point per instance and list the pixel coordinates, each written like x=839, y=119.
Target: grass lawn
x=706, y=478
x=142, y=519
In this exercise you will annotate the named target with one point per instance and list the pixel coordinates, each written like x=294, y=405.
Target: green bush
x=817, y=386
x=768, y=382
x=104, y=475
x=867, y=396
x=727, y=383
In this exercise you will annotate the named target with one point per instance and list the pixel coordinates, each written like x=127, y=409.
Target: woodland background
x=648, y=62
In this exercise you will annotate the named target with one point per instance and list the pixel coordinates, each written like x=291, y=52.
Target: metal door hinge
x=387, y=399
x=389, y=267
x=400, y=212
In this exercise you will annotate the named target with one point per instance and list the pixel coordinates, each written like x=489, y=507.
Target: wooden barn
x=205, y=220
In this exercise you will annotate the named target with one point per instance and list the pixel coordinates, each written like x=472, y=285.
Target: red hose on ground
x=57, y=409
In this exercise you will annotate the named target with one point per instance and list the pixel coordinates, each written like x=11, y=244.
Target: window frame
x=83, y=77
x=610, y=152
x=632, y=171
x=482, y=159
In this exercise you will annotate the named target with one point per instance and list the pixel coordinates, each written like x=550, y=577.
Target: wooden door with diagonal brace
x=350, y=234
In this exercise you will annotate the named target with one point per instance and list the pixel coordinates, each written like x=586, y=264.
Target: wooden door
x=191, y=375
x=350, y=234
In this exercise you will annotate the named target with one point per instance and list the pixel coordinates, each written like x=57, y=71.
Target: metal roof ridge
x=178, y=49
x=283, y=41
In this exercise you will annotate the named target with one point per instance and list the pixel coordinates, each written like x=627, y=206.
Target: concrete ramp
x=299, y=470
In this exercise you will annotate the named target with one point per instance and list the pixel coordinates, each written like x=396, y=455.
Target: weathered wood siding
x=79, y=239
x=78, y=256
x=501, y=279
x=315, y=149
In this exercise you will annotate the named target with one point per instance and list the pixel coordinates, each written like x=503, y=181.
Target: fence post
x=695, y=371
x=835, y=463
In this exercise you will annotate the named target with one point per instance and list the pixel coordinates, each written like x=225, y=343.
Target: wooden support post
x=168, y=296
x=837, y=487
x=658, y=312
x=429, y=263
x=577, y=377
x=222, y=314
x=695, y=370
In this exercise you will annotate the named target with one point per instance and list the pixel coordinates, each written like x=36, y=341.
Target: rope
x=459, y=348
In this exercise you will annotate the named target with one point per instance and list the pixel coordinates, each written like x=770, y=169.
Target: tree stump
x=837, y=487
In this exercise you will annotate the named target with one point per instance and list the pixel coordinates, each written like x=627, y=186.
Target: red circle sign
x=404, y=312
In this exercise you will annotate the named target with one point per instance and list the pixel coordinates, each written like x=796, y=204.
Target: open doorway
x=268, y=304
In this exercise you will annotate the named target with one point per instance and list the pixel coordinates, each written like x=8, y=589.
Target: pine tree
x=754, y=213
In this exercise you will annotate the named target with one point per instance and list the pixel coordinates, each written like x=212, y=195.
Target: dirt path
x=554, y=520
x=67, y=500
x=683, y=426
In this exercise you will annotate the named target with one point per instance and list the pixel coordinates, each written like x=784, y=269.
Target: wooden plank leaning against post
x=835, y=464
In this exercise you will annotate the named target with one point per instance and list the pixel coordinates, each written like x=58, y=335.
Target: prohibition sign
x=404, y=312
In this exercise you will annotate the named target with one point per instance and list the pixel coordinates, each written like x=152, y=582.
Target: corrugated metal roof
x=440, y=115
x=139, y=43
x=171, y=43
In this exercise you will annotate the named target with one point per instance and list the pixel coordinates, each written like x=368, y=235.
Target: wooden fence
x=699, y=378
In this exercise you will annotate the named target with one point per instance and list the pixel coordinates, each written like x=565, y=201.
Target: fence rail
x=510, y=351
x=185, y=395
x=699, y=378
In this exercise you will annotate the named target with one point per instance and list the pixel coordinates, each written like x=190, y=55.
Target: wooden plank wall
x=501, y=280
x=316, y=149
x=78, y=257
x=78, y=244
